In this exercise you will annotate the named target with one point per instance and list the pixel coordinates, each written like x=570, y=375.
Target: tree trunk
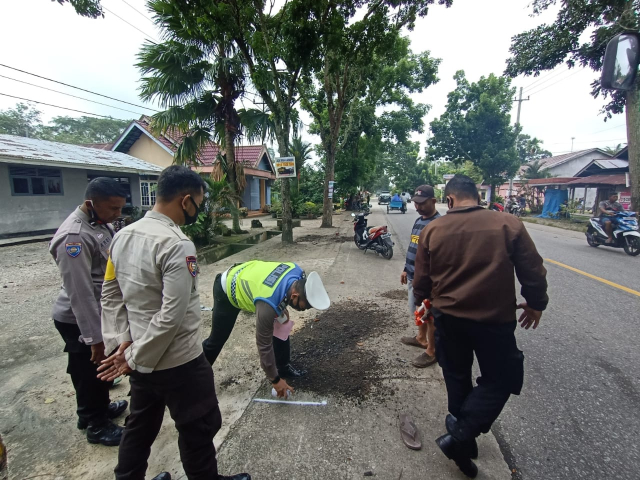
x=633, y=141
x=327, y=203
x=231, y=178
x=285, y=190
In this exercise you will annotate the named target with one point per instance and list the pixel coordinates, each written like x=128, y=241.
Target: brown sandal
x=409, y=432
x=412, y=342
x=423, y=360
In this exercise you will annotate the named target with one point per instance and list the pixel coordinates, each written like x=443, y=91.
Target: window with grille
x=148, y=193
x=35, y=181
x=123, y=181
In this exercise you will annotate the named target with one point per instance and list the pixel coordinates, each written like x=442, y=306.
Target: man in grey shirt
x=151, y=318
x=80, y=248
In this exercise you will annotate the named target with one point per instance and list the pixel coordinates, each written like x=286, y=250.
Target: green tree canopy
x=23, y=120
x=79, y=130
x=85, y=8
x=530, y=149
x=476, y=126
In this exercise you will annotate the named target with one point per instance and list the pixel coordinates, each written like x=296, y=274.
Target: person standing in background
x=80, y=248
x=425, y=202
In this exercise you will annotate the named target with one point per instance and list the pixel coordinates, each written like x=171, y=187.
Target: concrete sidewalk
x=352, y=352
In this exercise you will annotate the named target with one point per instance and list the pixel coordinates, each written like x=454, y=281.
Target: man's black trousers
x=501, y=369
x=223, y=320
x=190, y=394
x=92, y=394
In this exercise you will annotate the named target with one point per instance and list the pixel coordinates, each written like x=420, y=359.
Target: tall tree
x=563, y=41
x=530, y=149
x=476, y=126
x=197, y=74
x=85, y=8
x=23, y=120
x=360, y=54
x=79, y=130
x=536, y=169
x=301, y=152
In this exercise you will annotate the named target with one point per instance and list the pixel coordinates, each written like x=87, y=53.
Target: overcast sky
x=42, y=37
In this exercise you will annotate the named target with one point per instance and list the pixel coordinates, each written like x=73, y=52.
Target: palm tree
x=613, y=150
x=197, y=79
x=536, y=169
x=301, y=151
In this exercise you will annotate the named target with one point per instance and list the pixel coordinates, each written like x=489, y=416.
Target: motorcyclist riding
x=608, y=210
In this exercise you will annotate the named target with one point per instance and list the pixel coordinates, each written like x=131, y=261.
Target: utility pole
x=519, y=100
x=572, y=139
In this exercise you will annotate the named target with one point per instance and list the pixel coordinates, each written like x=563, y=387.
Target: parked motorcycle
x=516, y=210
x=625, y=233
x=377, y=239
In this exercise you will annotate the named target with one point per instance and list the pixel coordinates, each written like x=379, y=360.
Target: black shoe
x=454, y=450
x=114, y=410
x=289, y=372
x=237, y=476
x=470, y=447
x=107, y=434
x=162, y=476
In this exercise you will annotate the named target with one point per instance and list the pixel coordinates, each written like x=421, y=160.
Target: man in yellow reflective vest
x=266, y=289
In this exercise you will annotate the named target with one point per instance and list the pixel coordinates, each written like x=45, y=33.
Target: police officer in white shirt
x=80, y=248
x=151, y=318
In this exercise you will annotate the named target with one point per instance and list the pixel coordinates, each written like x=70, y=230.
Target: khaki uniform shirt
x=150, y=295
x=81, y=249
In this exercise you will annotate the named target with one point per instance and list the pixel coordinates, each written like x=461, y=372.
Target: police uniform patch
x=73, y=249
x=192, y=264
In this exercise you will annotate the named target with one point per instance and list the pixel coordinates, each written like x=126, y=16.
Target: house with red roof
x=140, y=142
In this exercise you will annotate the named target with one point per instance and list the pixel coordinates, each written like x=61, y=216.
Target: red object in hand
x=423, y=311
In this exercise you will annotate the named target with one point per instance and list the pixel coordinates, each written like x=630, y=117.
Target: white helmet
x=315, y=292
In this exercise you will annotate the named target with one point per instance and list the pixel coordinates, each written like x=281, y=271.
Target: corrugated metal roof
x=541, y=182
x=613, y=163
x=551, y=162
x=42, y=152
x=616, y=179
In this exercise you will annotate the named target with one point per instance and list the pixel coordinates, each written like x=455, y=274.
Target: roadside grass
x=575, y=224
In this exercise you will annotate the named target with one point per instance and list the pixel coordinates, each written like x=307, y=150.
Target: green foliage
x=536, y=169
x=476, y=126
x=85, y=8
x=217, y=197
x=466, y=168
x=549, y=45
x=312, y=184
x=23, y=120
x=530, y=149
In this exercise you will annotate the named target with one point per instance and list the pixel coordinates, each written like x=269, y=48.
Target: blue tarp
x=552, y=201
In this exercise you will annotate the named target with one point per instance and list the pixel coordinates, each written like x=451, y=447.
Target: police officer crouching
x=80, y=248
x=267, y=289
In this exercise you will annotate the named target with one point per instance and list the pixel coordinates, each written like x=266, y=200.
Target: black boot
x=470, y=446
x=454, y=450
x=237, y=476
x=162, y=476
x=107, y=434
x=114, y=410
x=289, y=372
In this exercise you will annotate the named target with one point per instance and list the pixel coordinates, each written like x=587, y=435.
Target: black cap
x=423, y=192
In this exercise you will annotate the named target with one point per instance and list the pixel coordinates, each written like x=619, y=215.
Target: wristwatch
x=275, y=380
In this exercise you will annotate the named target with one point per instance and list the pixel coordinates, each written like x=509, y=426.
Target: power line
x=558, y=81
x=70, y=95
x=77, y=88
x=130, y=24
x=544, y=77
x=56, y=106
x=610, y=128
x=141, y=14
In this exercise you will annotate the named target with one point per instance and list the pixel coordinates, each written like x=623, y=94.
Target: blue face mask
x=191, y=219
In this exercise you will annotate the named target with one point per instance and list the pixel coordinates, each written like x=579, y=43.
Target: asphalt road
x=579, y=413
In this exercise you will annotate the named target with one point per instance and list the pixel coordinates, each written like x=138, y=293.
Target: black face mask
x=94, y=219
x=191, y=219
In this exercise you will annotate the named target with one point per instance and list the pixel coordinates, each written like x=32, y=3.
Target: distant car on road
x=384, y=198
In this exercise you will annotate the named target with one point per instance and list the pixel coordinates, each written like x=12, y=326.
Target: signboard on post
x=331, y=189
x=285, y=167
x=448, y=176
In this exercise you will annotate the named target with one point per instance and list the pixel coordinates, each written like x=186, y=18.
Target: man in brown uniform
x=80, y=248
x=465, y=265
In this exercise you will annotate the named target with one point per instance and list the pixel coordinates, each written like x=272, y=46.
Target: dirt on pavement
x=332, y=348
